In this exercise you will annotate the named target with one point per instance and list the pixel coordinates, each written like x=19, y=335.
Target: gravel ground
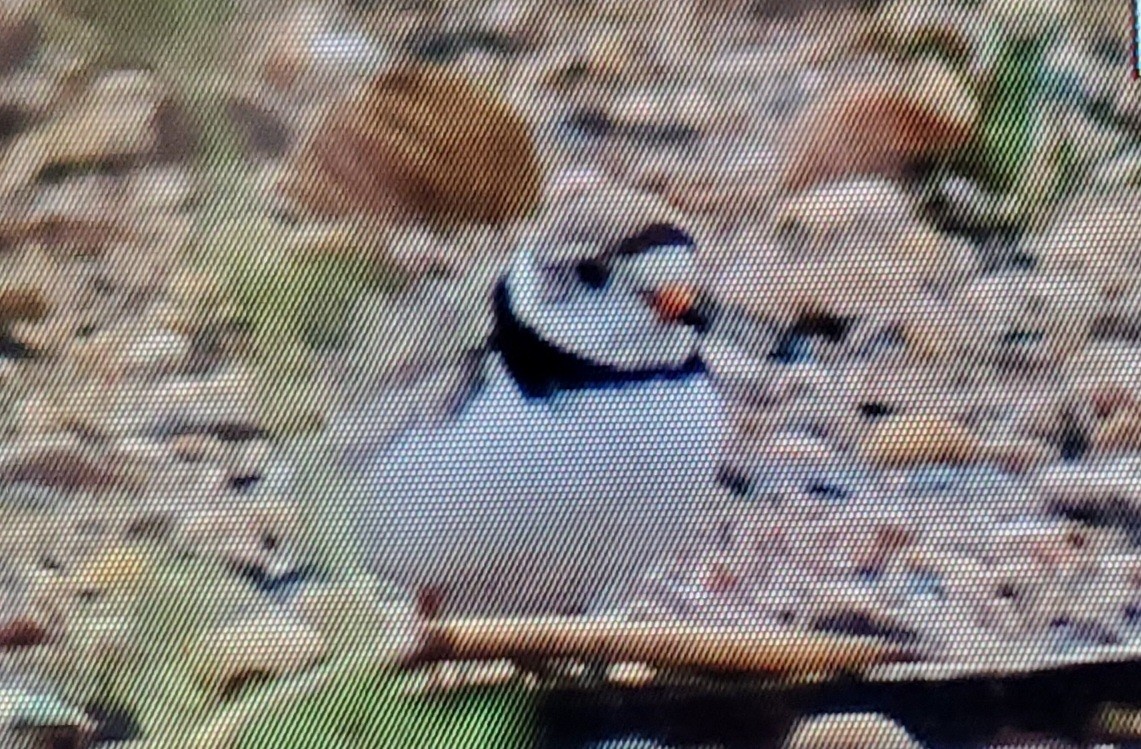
x=933, y=315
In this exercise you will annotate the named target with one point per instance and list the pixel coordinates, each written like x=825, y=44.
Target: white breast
x=519, y=505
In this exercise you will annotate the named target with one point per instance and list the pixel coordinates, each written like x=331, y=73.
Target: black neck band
x=541, y=369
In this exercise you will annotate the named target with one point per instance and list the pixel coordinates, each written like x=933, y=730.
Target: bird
x=581, y=446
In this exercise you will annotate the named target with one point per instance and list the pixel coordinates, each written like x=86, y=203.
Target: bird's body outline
x=566, y=414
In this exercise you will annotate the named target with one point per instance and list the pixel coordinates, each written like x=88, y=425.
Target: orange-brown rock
x=21, y=304
x=914, y=439
x=881, y=125
x=22, y=632
x=418, y=143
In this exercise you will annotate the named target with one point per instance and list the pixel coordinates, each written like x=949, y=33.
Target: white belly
x=523, y=506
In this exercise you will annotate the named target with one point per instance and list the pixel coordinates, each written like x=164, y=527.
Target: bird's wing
x=415, y=359
x=427, y=394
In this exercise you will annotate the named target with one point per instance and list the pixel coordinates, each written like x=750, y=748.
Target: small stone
x=252, y=466
x=255, y=539
x=67, y=233
x=1026, y=321
x=1017, y=455
x=65, y=469
x=1100, y=493
x=19, y=40
x=1120, y=433
x=1107, y=400
x=848, y=249
x=795, y=447
x=315, y=46
x=27, y=98
x=646, y=117
x=22, y=632
x=158, y=352
x=631, y=674
x=902, y=27
x=195, y=448
x=829, y=209
x=44, y=719
x=113, y=724
x=279, y=580
x=918, y=438
x=117, y=569
x=266, y=645
x=462, y=45
x=221, y=404
x=857, y=621
x=1065, y=251
x=934, y=331
x=448, y=676
x=125, y=117
x=1048, y=545
x=1031, y=18
x=609, y=55
x=133, y=349
x=22, y=304
x=265, y=133
x=850, y=731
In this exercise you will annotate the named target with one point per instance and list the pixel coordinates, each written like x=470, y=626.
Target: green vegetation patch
x=372, y=709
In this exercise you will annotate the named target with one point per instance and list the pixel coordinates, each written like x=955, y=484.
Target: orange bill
x=673, y=302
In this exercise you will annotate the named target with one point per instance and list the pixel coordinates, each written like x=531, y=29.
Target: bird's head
x=619, y=288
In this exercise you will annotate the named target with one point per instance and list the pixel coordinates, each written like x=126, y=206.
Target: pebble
x=42, y=717
x=159, y=352
x=1101, y=492
x=314, y=46
x=22, y=304
x=962, y=481
x=1066, y=252
x=265, y=133
x=1120, y=433
x=195, y=448
x=903, y=26
x=221, y=404
x=22, y=632
x=448, y=676
x=1034, y=18
x=266, y=645
x=123, y=116
x=65, y=468
x=829, y=209
x=117, y=569
x=631, y=674
x=113, y=724
x=917, y=438
x=257, y=539
x=850, y=731
x=19, y=39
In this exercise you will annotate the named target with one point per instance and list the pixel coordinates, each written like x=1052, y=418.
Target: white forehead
x=659, y=265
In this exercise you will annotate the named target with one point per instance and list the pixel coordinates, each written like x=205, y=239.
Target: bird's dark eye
x=654, y=235
x=696, y=318
x=592, y=273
